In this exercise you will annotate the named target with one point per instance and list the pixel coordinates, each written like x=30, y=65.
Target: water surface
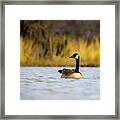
x=44, y=83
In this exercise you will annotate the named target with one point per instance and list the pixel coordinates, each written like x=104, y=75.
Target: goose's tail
x=60, y=71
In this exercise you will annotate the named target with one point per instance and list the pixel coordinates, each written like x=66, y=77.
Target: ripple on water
x=36, y=85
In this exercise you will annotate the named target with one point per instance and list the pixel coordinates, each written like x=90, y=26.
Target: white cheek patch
x=76, y=57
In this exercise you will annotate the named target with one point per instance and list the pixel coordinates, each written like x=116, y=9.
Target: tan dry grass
x=89, y=53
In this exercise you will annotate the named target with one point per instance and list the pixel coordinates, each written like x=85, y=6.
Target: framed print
x=59, y=59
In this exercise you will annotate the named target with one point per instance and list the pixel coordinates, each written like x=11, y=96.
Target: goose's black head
x=75, y=55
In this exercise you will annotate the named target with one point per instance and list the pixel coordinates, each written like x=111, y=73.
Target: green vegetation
x=50, y=43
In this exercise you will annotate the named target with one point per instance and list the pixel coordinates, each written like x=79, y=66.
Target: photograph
x=59, y=59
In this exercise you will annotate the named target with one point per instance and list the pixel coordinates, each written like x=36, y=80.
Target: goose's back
x=70, y=73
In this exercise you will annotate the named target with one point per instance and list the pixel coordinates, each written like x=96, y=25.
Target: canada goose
x=72, y=73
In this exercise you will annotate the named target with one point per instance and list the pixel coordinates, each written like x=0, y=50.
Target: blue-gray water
x=44, y=83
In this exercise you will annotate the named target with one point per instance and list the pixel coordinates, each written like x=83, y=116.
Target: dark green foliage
x=42, y=32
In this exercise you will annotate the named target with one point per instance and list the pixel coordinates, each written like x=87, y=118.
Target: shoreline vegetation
x=89, y=54
x=41, y=47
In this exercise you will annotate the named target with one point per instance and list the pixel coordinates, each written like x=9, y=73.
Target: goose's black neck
x=77, y=65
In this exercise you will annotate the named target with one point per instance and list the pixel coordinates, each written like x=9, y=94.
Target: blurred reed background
x=51, y=42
